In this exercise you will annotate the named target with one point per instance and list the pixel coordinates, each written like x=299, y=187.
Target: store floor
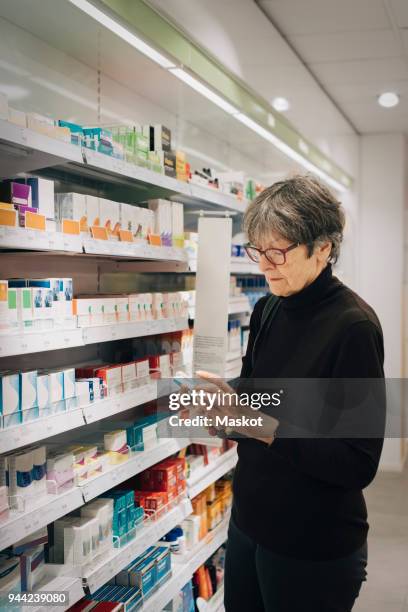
x=386, y=589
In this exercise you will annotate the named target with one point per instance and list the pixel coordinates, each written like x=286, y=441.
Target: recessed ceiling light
x=280, y=104
x=388, y=99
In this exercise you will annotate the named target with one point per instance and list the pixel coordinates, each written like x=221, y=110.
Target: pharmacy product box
x=10, y=407
x=168, y=161
x=112, y=378
x=42, y=196
x=4, y=309
x=142, y=368
x=32, y=567
x=109, y=309
x=56, y=386
x=43, y=390
x=72, y=206
x=13, y=321
x=177, y=220
x=69, y=383
x=162, y=557
x=17, y=193
x=160, y=137
x=128, y=372
x=76, y=131
x=82, y=309
x=92, y=210
x=122, y=309
x=28, y=390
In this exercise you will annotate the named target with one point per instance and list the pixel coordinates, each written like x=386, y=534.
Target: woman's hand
x=228, y=406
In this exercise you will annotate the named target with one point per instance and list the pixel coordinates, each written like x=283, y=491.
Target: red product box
x=112, y=377
x=181, y=487
x=87, y=371
x=164, y=476
x=180, y=465
x=172, y=494
x=156, y=500
x=140, y=498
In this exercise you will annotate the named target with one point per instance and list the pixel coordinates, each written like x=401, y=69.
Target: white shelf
x=96, y=411
x=37, y=240
x=18, y=238
x=236, y=305
x=38, y=341
x=183, y=570
x=55, y=339
x=72, y=586
x=203, y=477
x=119, y=331
x=137, y=463
x=25, y=150
x=238, y=265
x=28, y=433
x=34, y=431
x=38, y=514
x=148, y=535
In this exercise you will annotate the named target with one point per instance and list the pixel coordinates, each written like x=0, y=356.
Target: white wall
x=381, y=251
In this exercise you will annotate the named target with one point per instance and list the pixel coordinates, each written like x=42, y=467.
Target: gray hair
x=300, y=209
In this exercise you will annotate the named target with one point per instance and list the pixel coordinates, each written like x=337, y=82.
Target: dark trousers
x=257, y=580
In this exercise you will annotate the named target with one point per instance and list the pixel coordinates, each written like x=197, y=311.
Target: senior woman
x=298, y=530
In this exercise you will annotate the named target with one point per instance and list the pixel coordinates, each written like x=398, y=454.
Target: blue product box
x=77, y=132
x=17, y=283
x=28, y=390
x=119, y=523
x=139, y=515
x=143, y=575
x=162, y=558
x=132, y=599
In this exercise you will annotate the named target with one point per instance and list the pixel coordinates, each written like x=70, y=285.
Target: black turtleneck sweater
x=303, y=498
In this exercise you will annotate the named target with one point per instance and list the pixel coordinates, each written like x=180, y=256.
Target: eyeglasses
x=273, y=255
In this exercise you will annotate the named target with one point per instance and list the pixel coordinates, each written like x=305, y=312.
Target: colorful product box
x=16, y=193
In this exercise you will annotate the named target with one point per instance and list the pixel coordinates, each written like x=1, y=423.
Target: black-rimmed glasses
x=273, y=255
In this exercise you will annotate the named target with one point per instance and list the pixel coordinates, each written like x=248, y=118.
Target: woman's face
x=298, y=271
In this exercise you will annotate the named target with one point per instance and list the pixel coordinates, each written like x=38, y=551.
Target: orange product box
x=156, y=500
x=172, y=495
x=140, y=498
x=98, y=232
x=112, y=377
x=8, y=217
x=159, y=478
x=34, y=221
x=68, y=226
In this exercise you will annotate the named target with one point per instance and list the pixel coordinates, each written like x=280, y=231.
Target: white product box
x=177, y=219
x=32, y=567
x=142, y=368
x=40, y=469
x=137, y=223
x=12, y=317
x=109, y=213
x=92, y=210
x=4, y=108
x=71, y=206
x=77, y=536
x=9, y=398
x=42, y=196
x=148, y=306
x=158, y=306
x=28, y=390
x=128, y=372
x=43, y=390
x=24, y=307
x=56, y=386
x=162, y=217
x=164, y=365
x=102, y=510
x=122, y=309
x=109, y=310
x=114, y=440
x=84, y=391
x=67, y=295
x=21, y=484
x=83, y=310
x=69, y=383
x=17, y=117
x=136, y=310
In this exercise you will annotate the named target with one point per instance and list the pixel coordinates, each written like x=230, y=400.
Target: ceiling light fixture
x=280, y=104
x=123, y=33
x=388, y=99
x=204, y=90
x=289, y=152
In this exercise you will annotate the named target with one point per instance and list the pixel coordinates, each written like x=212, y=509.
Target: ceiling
x=330, y=59
x=356, y=49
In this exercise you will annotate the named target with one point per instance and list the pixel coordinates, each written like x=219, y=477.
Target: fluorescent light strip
x=204, y=90
x=287, y=150
x=122, y=32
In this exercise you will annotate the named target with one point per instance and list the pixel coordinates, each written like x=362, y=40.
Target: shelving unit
x=35, y=431
x=55, y=339
x=22, y=150
x=25, y=150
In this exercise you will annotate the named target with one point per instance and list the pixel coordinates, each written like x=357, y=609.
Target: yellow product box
x=8, y=218
x=35, y=221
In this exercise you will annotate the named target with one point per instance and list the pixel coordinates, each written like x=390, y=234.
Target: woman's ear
x=323, y=250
